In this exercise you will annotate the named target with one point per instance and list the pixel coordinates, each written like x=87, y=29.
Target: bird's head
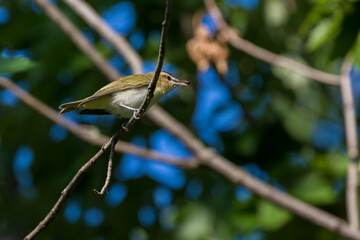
x=167, y=82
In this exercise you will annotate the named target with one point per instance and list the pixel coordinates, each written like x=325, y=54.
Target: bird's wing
x=126, y=83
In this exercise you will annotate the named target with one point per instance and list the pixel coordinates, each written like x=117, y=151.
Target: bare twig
x=78, y=38
x=109, y=168
x=95, y=21
x=65, y=194
x=352, y=145
x=260, y=53
x=69, y=188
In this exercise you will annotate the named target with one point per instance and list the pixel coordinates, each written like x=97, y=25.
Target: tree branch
x=119, y=42
x=352, y=145
x=76, y=179
x=78, y=38
x=87, y=134
x=65, y=194
x=208, y=157
x=104, y=189
x=150, y=94
x=260, y=53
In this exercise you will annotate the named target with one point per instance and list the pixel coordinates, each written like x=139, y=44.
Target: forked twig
x=76, y=179
x=109, y=168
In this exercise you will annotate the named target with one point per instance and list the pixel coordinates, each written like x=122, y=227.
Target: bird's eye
x=168, y=78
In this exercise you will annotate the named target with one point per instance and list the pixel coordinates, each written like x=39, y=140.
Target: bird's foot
x=134, y=115
x=131, y=108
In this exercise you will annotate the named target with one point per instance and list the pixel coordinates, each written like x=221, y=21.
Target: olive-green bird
x=123, y=97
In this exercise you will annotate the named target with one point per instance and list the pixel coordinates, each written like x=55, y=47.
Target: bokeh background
x=279, y=126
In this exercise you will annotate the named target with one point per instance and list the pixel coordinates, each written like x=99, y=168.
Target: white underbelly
x=131, y=98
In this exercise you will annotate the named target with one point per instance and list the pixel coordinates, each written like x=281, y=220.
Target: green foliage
x=197, y=223
x=356, y=51
x=333, y=164
x=271, y=217
x=276, y=13
x=324, y=22
x=296, y=120
x=14, y=65
x=315, y=189
x=324, y=31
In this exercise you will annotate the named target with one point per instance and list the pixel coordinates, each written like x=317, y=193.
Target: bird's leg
x=131, y=108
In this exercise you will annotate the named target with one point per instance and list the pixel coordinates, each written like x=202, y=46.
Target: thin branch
x=160, y=61
x=260, y=53
x=69, y=188
x=352, y=145
x=109, y=168
x=78, y=38
x=119, y=42
x=151, y=88
x=65, y=194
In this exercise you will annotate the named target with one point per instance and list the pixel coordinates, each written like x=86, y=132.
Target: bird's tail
x=70, y=106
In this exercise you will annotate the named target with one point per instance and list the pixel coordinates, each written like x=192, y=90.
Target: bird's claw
x=134, y=116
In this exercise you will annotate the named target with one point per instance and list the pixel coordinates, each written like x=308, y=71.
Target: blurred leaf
x=13, y=65
x=314, y=189
x=312, y=17
x=291, y=79
x=334, y=164
x=244, y=221
x=196, y=223
x=299, y=123
x=222, y=231
x=275, y=13
x=323, y=32
x=247, y=145
x=272, y=217
x=356, y=50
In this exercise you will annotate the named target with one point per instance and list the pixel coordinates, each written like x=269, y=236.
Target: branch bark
x=104, y=189
x=119, y=42
x=352, y=145
x=87, y=134
x=78, y=38
x=260, y=53
x=218, y=163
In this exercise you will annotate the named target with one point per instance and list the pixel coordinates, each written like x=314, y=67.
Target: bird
x=124, y=96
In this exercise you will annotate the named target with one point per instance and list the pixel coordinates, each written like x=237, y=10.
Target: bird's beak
x=178, y=82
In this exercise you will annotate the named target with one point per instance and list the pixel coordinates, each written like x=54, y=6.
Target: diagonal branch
x=78, y=38
x=119, y=42
x=352, y=145
x=87, y=166
x=237, y=175
x=260, y=53
x=87, y=134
